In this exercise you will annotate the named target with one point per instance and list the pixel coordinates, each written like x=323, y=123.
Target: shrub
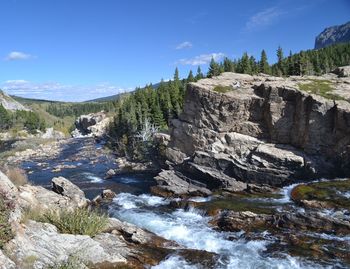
x=78, y=221
x=5, y=228
x=223, y=89
x=17, y=176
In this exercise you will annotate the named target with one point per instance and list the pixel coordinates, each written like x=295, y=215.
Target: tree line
x=62, y=110
x=309, y=62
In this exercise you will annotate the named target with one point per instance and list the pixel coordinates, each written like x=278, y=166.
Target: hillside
x=9, y=103
x=333, y=35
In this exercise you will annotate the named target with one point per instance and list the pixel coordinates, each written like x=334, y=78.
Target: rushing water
x=190, y=227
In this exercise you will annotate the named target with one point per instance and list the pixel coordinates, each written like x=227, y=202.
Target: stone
x=43, y=246
x=171, y=184
x=110, y=173
x=245, y=220
x=342, y=71
x=5, y=262
x=66, y=188
x=108, y=194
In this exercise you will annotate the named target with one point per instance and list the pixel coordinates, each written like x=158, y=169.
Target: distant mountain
x=333, y=35
x=114, y=97
x=9, y=103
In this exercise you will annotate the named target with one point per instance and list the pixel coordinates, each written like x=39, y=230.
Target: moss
x=329, y=191
x=236, y=203
x=223, y=89
x=320, y=87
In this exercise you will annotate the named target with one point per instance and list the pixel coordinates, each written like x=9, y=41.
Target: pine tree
x=246, y=67
x=264, y=65
x=4, y=118
x=190, y=77
x=228, y=65
x=214, y=69
x=199, y=74
x=280, y=64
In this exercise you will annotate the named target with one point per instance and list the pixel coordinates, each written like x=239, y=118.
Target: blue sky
x=81, y=49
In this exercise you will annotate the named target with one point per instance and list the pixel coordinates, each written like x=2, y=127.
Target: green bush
x=5, y=228
x=223, y=89
x=79, y=221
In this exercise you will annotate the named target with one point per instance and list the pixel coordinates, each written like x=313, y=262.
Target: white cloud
x=58, y=91
x=263, y=18
x=17, y=55
x=201, y=59
x=184, y=45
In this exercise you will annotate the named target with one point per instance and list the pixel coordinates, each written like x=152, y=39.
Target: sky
x=76, y=50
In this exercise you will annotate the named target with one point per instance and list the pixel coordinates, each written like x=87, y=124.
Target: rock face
x=9, y=103
x=94, y=124
x=333, y=35
x=266, y=131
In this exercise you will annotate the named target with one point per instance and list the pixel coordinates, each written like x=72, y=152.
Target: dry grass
x=16, y=175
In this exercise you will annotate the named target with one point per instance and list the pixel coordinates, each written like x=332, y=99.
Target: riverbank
x=260, y=228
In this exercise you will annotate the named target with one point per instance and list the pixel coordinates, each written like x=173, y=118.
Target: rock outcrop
x=333, y=35
x=9, y=103
x=94, y=124
x=265, y=131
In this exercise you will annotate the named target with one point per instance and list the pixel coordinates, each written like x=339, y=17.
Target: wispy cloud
x=263, y=18
x=201, y=59
x=18, y=55
x=58, y=91
x=184, y=45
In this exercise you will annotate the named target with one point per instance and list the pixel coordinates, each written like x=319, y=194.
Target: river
x=85, y=164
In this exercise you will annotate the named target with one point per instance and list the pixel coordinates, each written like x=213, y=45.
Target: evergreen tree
x=228, y=65
x=5, y=121
x=280, y=63
x=190, y=77
x=263, y=64
x=199, y=74
x=214, y=69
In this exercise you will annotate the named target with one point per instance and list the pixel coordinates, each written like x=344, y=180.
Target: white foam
x=174, y=262
x=130, y=201
x=190, y=229
x=93, y=178
x=200, y=199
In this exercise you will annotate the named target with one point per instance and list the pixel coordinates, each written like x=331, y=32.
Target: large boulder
x=42, y=245
x=66, y=188
x=264, y=130
x=172, y=184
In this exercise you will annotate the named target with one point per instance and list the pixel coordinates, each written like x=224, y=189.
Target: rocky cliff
x=9, y=103
x=333, y=35
x=262, y=129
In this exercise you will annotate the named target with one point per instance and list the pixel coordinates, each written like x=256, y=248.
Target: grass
x=16, y=175
x=223, y=89
x=73, y=262
x=82, y=221
x=320, y=87
x=5, y=228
